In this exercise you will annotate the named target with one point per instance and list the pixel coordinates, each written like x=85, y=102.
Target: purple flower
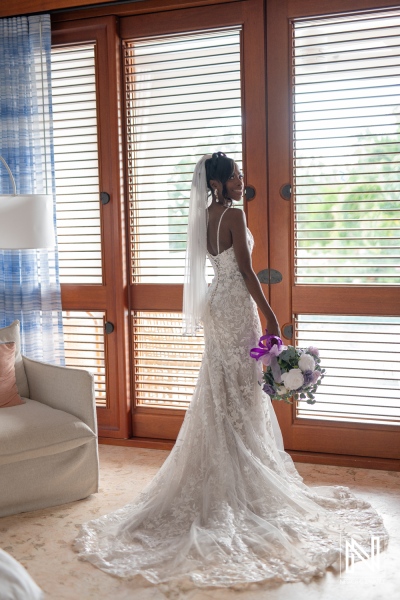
x=314, y=351
x=315, y=376
x=268, y=389
x=308, y=377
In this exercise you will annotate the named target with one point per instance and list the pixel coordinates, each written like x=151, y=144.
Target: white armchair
x=48, y=446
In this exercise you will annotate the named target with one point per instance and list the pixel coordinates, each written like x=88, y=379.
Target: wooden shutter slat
x=169, y=126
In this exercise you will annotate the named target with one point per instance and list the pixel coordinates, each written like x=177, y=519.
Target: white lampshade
x=26, y=221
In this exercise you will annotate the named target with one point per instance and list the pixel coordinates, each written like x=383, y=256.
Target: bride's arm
x=243, y=259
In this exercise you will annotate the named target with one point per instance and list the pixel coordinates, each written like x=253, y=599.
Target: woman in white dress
x=228, y=505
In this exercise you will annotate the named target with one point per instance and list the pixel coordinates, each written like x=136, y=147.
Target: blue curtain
x=29, y=279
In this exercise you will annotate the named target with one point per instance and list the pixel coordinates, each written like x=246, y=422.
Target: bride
x=228, y=505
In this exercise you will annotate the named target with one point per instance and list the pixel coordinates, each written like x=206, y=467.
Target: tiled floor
x=41, y=540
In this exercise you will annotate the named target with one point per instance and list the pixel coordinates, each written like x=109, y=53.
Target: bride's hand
x=273, y=328
x=272, y=322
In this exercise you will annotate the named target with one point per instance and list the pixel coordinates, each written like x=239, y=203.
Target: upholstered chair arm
x=63, y=388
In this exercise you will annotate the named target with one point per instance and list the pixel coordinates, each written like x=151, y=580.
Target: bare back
x=219, y=216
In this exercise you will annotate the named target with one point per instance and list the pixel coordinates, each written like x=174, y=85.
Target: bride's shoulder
x=237, y=215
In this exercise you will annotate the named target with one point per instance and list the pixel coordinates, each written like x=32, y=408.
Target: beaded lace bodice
x=228, y=505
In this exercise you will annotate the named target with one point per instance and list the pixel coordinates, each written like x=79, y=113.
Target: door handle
x=108, y=327
x=249, y=192
x=286, y=191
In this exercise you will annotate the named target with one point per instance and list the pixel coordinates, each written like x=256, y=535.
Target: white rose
x=293, y=380
x=281, y=391
x=306, y=362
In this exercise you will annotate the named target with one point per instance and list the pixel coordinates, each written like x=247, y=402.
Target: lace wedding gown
x=228, y=506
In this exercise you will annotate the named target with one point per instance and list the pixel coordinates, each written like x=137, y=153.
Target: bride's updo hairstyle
x=219, y=167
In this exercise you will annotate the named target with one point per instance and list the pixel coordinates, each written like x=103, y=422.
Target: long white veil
x=195, y=284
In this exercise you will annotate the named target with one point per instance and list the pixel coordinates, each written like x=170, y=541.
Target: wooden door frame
x=304, y=438
x=152, y=422
x=69, y=10
x=111, y=296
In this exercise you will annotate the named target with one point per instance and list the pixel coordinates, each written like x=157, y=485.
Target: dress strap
x=219, y=224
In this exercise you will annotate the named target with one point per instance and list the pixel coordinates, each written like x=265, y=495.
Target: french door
x=194, y=84
x=136, y=103
x=137, y=100
x=90, y=211
x=334, y=193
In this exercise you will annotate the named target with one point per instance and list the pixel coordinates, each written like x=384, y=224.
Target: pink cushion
x=11, y=333
x=8, y=387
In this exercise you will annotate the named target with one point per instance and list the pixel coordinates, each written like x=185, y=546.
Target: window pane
x=183, y=101
x=84, y=347
x=362, y=358
x=166, y=363
x=346, y=80
x=76, y=163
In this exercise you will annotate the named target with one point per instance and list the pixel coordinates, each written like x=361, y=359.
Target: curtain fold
x=29, y=279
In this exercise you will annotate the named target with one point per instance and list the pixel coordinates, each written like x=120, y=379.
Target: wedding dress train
x=228, y=505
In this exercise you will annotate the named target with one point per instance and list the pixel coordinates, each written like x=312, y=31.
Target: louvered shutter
x=346, y=154
x=78, y=210
x=84, y=347
x=362, y=359
x=166, y=364
x=346, y=76
x=183, y=98
x=76, y=163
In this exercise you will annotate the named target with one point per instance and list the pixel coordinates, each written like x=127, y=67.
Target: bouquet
x=291, y=372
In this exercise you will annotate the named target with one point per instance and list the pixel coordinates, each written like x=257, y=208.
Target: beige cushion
x=36, y=429
x=11, y=334
x=8, y=388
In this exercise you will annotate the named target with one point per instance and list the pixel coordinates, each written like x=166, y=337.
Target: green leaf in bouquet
x=288, y=355
x=268, y=378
